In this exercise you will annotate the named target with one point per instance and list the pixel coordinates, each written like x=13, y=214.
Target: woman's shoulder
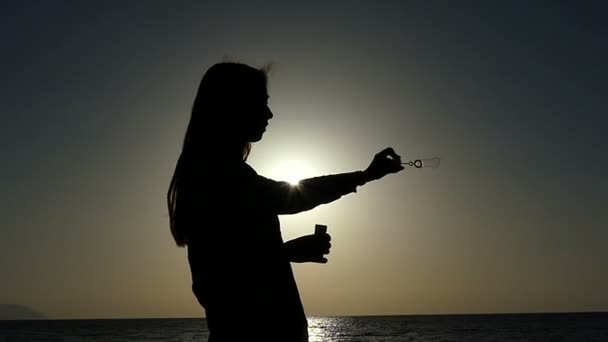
x=248, y=169
x=221, y=167
x=232, y=172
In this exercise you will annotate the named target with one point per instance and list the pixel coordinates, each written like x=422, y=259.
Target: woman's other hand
x=384, y=162
x=308, y=248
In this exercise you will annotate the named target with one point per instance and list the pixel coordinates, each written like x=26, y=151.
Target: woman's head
x=230, y=109
x=230, y=112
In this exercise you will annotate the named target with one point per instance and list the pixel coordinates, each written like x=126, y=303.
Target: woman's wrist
x=361, y=177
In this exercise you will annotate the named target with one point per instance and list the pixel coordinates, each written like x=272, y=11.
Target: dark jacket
x=241, y=274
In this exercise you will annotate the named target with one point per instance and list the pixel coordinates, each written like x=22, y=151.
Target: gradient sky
x=96, y=97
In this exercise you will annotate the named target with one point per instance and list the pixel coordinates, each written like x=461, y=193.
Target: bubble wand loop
x=427, y=162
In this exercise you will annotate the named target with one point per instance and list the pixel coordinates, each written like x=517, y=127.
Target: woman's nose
x=269, y=114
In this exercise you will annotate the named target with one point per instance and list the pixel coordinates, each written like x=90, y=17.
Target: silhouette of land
x=19, y=312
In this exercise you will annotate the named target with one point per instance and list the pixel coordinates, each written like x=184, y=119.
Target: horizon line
x=335, y=316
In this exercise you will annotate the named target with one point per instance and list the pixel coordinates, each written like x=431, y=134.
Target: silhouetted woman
x=226, y=214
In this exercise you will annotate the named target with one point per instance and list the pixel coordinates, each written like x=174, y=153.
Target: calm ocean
x=575, y=327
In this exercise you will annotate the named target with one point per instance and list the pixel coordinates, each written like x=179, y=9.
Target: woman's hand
x=308, y=248
x=384, y=162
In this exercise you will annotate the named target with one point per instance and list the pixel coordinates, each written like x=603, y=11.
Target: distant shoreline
x=19, y=312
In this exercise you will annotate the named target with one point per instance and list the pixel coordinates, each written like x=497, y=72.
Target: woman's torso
x=239, y=270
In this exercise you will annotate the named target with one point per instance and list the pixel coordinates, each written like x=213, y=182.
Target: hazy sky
x=96, y=97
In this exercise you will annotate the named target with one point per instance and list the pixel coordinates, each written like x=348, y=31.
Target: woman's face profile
x=259, y=114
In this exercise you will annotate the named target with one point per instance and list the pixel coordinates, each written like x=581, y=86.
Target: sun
x=292, y=171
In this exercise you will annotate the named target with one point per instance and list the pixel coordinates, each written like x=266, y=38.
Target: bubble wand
x=427, y=162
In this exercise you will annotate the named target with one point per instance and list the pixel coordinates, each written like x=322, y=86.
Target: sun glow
x=291, y=171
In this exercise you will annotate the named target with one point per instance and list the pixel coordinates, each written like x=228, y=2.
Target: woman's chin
x=256, y=137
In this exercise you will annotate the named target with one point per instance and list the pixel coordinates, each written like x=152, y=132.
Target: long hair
x=215, y=131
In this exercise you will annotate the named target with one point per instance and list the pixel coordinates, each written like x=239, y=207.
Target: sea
x=571, y=327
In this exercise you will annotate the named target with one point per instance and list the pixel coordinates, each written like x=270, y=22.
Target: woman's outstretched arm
x=285, y=198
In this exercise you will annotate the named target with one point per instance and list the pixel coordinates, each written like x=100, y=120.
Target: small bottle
x=320, y=229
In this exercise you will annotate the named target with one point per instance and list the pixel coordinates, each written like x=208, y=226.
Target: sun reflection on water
x=324, y=329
